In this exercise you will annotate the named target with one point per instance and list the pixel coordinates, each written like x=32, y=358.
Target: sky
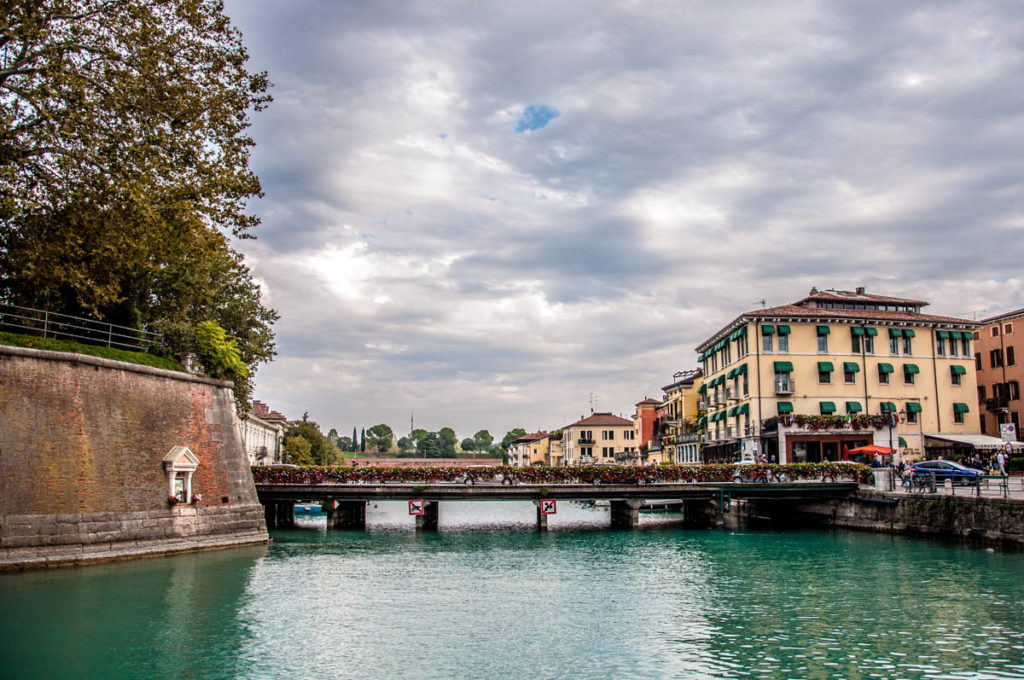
x=488, y=215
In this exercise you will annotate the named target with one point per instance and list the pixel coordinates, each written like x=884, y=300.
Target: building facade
x=597, y=439
x=262, y=433
x=999, y=373
x=836, y=370
x=530, y=449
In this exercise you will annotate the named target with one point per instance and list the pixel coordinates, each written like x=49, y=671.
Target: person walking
x=1001, y=463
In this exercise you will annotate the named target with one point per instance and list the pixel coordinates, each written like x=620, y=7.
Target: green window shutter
x=888, y=407
x=827, y=407
x=895, y=333
x=851, y=367
x=960, y=407
x=785, y=407
x=823, y=330
x=913, y=407
x=903, y=442
x=911, y=368
x=825, y=367
x=957, y=370
x=767, y=329
x=885, y=368
x=856, y=330
x=783, y=366
x=942, y=334
x=908, y=332
x=871, y=331
x=783, y=330
x=853, y=407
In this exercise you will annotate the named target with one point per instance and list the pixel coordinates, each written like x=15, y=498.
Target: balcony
x=731, y=394
x=585, y=440
x=997, y=404
x=785, y=385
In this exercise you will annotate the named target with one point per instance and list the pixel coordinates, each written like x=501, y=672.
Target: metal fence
x=17, y=319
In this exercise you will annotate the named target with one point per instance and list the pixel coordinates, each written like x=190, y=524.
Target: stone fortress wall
x=83, y=477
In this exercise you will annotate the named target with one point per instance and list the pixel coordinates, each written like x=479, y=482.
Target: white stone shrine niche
x=179, y=464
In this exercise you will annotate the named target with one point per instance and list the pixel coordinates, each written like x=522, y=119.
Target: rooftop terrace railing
x=47, y=324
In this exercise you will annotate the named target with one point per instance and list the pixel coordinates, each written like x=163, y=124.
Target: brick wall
x=81, y=475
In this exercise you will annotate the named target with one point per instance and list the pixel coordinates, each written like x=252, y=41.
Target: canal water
x=488, y=597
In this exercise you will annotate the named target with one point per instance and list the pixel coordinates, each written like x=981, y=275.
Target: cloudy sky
x=497, y=214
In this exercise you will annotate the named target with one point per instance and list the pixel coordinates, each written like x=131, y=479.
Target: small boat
x=308, y=509
x=662, y=506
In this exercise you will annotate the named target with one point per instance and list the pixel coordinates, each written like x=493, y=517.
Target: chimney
x=860, y=290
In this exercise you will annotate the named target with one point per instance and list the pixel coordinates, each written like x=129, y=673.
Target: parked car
x=946, y=469
x=751, y=471
x=485, y=477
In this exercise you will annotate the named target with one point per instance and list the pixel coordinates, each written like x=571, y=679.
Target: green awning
x=825, y=367
x=767, y=329
x=731, y=412
x=741, y=332
x=703, y=389
x=853, y=407
x=942, y=334
x=903, y=442
x=827, y=407
x=851, y=367
x=785, y=407
x=913, y=407
x=908, y=332
x=742, y=370
x=823, y=330
x=956, y=369
x=895, y=333
x=856, y=330
x=783, y=366
x=885, y=368
x=702, y=421
x=955, y=335
x=783, y=330
x=871, y=331
x=960, y=407
x=911, y=368
x=888, y=407
x=731, y=374
x=742, y=409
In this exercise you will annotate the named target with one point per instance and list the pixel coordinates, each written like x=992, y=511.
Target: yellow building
x=676, y=431
x=801, y=382
x=530, y=449
x=597, y=439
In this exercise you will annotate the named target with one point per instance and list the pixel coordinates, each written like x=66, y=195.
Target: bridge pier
x=345, y=514
x=279, y=514
x=699, y=513
x=626, y=513
x=428, y=520
x=542, y=519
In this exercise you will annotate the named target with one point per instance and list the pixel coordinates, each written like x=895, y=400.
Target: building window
x=982, y=418
x=956, y=379
x=894, y=345
x=965, y=341
x=940, y=347
x=727, y=354
x=783, y=342
x=912, y=417
x=746, y=385
x=981, y=393
x=977, y=361
x=850, y=377
x=824, y=377
x=995, y=331
x=958, y=417
x=908, y=377
x=883, y=376
x=766, y=342
x=907, y=345
x=1008, y=329
x=1014, y=390
x=822, y=342
x=996, y=358
x=869, y=344
x=855, y=344
x=1011, y=358
x=741, y=346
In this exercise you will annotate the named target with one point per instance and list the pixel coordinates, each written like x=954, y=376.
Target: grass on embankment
x=55, y=345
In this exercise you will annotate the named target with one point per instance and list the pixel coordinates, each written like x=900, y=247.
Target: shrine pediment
x=181, y=458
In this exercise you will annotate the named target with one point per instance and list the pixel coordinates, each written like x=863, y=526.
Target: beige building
x=530, y=449
x=800, y=382
x=597, y=439
x=262, y=432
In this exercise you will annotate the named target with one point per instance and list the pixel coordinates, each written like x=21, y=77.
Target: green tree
x=447, y=437
x=321, y=451
x=380, y=438
x=344, y=444
x=297, y=451
x=417, y=435
x=511, y=436
x=468, y=445
x=362, y=440
x=404, y=445
x=483, y=440
x=429, y=446
x=124, y=159
x=332, y=436
x=355, y=441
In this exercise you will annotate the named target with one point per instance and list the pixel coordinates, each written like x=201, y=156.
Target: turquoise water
x=487, y=597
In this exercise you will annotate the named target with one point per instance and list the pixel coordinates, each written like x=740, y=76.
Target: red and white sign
x=548, y=506
x=416, y=507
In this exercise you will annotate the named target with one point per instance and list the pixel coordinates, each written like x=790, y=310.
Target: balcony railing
x=785, y=385
x=731, y=394
x=585, y=440
x=997, y=403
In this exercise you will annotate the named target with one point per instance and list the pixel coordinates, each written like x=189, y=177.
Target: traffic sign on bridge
x=416, y=507
x=548, y=506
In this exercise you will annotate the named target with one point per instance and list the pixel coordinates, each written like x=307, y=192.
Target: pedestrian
x=1001, y=463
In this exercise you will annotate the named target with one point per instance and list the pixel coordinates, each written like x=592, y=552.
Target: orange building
x=999, y=374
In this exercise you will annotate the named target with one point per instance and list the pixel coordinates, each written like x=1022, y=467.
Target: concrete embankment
x=91, y=451
x=989, y=519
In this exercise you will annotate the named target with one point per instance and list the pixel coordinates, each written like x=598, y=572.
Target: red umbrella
x=872, y=449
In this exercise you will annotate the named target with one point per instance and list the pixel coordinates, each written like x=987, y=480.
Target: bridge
x=345, y=504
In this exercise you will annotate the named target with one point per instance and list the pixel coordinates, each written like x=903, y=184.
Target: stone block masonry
x=82, y=479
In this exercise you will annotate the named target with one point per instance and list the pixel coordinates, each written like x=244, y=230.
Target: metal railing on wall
x=47, y=324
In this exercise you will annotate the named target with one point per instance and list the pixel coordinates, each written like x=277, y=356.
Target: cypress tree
x=362, y=440
x=355, y=440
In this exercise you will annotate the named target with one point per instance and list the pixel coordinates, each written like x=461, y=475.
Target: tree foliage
x=124, y=163
x=483, y=440
x=380, y=437
x=297, y=451
x=322, y=452
x=448, y=439
x=405, y=444
x=467, y=444
x=429, y=446
x=511, y=436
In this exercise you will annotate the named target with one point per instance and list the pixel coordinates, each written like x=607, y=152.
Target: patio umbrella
x=873, y=449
